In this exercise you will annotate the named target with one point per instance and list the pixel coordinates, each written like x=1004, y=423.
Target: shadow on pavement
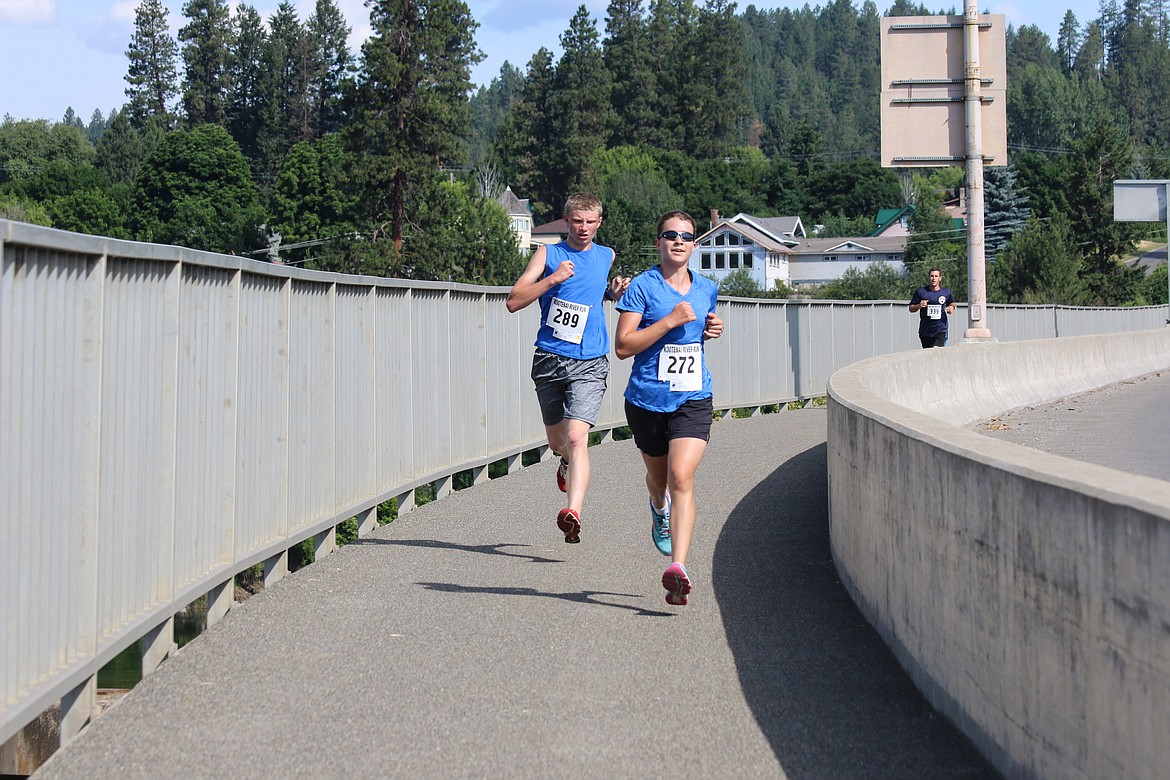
x=485, y=549
x=827, y=693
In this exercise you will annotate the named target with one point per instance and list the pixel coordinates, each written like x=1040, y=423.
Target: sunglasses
x=671, y=235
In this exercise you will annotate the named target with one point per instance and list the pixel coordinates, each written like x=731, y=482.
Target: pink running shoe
x=563, y=476
x=570, y=524
x=677, y=584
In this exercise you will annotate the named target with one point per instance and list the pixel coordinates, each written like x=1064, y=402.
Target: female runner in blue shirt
x=666, y=314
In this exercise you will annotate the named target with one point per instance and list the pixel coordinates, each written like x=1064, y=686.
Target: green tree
x=1097, y=159
x=635, y=193
x=152, y=73
x=1068, y=42
x=245, y=105
x=19, y=209
x=711, y=102
x=1040, y=265
x=287, y=69
x=526, y=142
x=878, y=282
x=490, y=107
x=740, y=284
x=935, y=240
x=332, y=65
x=207, y=41
x=311, y=195
x=635, y=88
x=856, y=188
x=196, y=190
x=411, y=110
x=27, y=147
x=581, y=104
x=468, y=238
x=1005, y=208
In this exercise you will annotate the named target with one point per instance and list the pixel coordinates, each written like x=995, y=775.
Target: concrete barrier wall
x=1027, y=594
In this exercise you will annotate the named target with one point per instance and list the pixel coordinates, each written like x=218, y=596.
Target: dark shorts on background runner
x=653, y=431
x=567, y=387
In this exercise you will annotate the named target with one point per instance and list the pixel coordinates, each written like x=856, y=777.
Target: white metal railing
x=170, y=418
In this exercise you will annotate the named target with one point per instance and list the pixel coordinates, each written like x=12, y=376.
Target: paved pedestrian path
x=466, y=639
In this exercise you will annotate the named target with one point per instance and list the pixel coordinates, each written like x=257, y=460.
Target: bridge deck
x=467, y=640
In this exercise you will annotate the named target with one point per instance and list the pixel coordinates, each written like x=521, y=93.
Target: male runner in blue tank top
x=570, y=366
x=666, y=316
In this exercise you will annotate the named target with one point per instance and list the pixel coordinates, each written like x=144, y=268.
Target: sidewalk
x=466, y=639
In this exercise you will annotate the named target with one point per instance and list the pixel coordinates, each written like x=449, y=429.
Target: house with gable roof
x=775, y=249
x=817, y=261
x=520, y=215
x=759, y=245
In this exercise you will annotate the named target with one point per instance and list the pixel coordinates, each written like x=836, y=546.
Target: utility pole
x=977, y=329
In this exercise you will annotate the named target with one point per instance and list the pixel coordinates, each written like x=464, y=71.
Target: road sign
x=924, y=90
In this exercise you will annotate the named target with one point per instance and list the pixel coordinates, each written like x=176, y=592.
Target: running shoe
x=677, y=584
x=570, y=524
x=563, y=475
x=660, y=527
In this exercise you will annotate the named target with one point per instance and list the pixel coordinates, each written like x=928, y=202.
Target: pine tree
x=245, y=102
x=712, y=103
x=286, y=69
x=1068, y=42
x=332, y=64
x=580, y=103
x=207, y=41
x=626, y=52
x=527, y=139
x=1005, y=208
x=410, y=114
x=152, y=71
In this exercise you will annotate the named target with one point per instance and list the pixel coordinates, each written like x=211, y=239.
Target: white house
x=520, y=214
x=773, y=249
x=761, y=246
x=816, y=261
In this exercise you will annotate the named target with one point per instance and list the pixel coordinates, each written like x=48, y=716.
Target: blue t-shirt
x=581, y=297
x=650, y=296
x=933, y=326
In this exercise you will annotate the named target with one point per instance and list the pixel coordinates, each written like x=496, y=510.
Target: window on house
x=720, y=261
x=705, y=261
x=863, y=258
x=747, y=259
x=721, y=239
x=893, y=258
x=733, y=239
x=733, y=259
x=830, y=258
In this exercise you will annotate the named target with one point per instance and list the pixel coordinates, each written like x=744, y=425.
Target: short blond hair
x=582, y=201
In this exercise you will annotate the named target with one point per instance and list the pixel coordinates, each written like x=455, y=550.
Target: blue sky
x=60, y=53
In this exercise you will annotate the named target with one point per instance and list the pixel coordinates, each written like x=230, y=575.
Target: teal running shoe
x=660, y=527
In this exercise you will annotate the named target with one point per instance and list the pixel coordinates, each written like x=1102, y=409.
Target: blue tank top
x=578, y=311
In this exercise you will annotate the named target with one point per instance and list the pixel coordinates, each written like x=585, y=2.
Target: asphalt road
x=1125, y=426
x=466, y=639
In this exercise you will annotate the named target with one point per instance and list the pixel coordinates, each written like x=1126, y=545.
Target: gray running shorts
x=567, y=387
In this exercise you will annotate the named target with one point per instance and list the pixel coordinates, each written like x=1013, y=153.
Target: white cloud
x=28, y=11
x=123, y=11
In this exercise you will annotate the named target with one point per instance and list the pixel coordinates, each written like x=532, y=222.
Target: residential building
x=550, y=233
x=817, y=261
x=776, y=249
x=759, y=245
x=520, y=214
